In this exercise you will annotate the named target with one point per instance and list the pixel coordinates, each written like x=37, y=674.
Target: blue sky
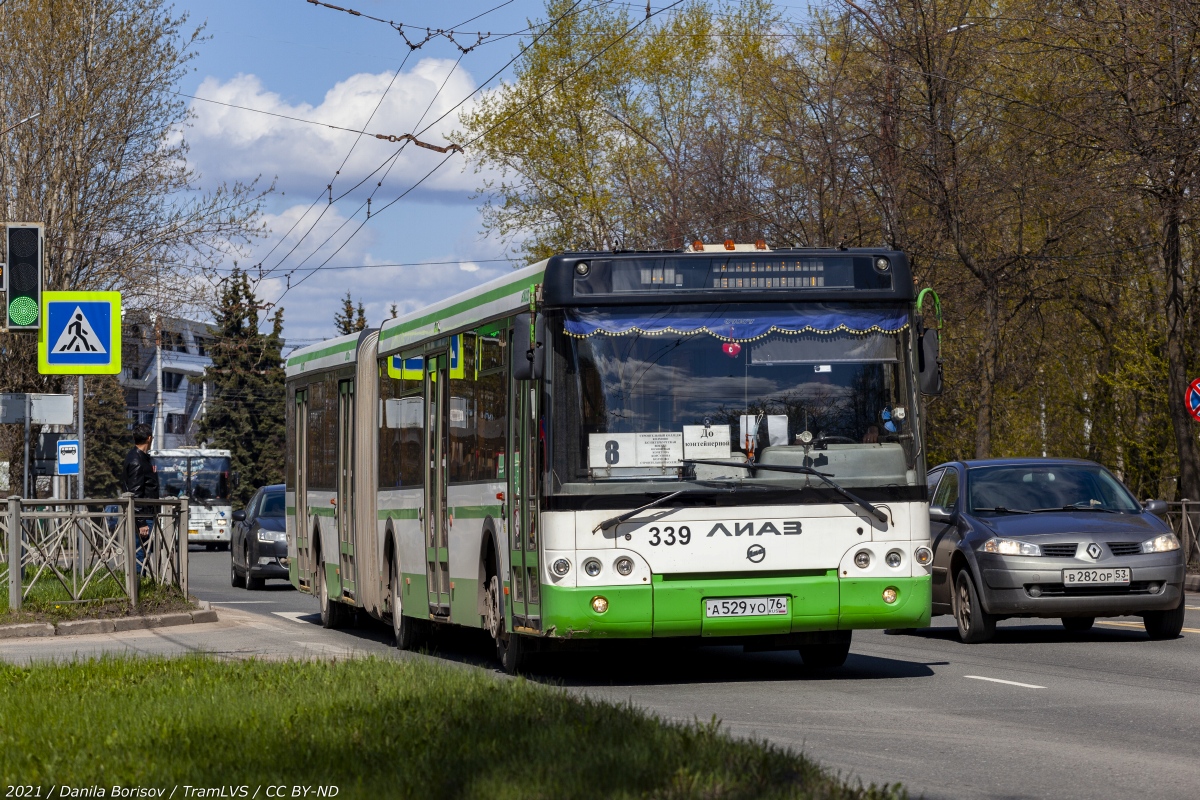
x=296, y=59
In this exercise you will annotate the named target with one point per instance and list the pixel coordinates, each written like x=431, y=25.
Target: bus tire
x=826, y=655
x=332, y=612
x=512, y=649
x=409, y=633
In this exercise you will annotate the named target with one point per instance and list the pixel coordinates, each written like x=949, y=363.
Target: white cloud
x=469, y=266
x=233, y=144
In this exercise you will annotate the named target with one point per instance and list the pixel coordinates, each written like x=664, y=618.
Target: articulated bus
x=723, y=444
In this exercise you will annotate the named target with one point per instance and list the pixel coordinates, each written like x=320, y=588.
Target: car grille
x=1057, y=589
x=1125, y=548
x=1060, y=550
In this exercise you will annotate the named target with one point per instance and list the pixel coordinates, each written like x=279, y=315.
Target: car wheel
x=974, y=624
x=1078, y=624
x=252, y=583
x=235, y=580
x=1165, y=624
x=332, y=614
x=409, y=633
x=826, y=656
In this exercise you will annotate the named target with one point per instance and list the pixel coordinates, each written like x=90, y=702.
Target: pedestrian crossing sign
x=80, y=333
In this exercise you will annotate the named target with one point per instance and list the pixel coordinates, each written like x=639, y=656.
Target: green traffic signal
x=24, y=279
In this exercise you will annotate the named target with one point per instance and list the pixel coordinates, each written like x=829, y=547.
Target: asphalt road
x=1036, y=713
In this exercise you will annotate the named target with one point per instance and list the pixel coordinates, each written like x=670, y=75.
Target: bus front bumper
x=671, y=606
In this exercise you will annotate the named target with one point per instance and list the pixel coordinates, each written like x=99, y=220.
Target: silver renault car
x=1057, y=538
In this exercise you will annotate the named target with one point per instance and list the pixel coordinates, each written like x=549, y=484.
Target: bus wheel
x=410, y=633
x=511, y=648
x=827, y=655
x=332, y=613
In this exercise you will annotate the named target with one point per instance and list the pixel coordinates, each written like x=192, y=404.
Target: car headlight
x=265, y=535
x=1163, y=543
x=1011, y=547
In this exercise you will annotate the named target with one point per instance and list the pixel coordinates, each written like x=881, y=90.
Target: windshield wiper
x=872, y=510
x=1004, y=510
x=617, y=520
x=1080, y=507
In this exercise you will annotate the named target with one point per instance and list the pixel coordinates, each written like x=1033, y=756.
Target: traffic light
x=23, y=278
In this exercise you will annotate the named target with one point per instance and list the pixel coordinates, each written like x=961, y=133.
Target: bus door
x=345, y=485
x=437, y=513
x=524, y=587
x=303, y=531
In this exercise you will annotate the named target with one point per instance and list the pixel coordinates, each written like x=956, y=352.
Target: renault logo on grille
x=1094, y=550
x=756, y=553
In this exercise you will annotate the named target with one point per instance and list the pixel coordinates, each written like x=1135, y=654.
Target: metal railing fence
x=1184, y=519
x=79, y=544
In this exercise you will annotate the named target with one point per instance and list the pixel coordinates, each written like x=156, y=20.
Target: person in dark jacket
x=138, y=478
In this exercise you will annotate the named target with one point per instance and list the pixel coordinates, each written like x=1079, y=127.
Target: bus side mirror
x=529, y=356
x=929, y=363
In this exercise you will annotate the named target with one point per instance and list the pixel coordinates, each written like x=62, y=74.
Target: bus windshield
x=643, y=394
x=202, y=478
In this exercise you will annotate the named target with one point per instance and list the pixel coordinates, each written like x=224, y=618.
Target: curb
x=82, y=627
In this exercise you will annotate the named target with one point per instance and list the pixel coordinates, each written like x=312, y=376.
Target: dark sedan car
x=258, y=547
x=1054, y=538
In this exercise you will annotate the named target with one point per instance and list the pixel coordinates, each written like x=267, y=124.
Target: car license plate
x=744, y=606
x=1113, y=576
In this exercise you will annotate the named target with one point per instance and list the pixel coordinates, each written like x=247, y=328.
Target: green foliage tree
x=245, y=414
x=107, y=435
x=349, y=319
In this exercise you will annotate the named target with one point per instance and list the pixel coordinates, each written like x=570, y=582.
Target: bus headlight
x=624, y=565
x=561, y=567
x=592, y=567
x=599, y=604
x=923, y=555
x=862, y=559
x=893, y=559
x=890, y=594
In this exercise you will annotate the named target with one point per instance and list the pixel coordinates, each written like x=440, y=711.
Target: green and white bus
x=721, y=443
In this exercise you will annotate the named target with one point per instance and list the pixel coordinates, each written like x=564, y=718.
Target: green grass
x=374, y=728
x=104, y=597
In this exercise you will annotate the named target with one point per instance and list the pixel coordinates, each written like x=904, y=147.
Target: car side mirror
x=239, y=516
x=1156, y=507
x=938, y=514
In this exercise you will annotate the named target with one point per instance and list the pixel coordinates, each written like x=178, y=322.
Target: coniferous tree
x=246, y=412
x=349, y=320
x=106, y=428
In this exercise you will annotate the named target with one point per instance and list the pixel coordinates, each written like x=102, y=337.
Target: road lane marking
x=295, y=616
x=1140, y=625
x=240, y=602
x=1010, y=683
x=1192, y=608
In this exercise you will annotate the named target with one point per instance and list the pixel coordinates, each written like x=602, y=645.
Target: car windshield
x=204, y=478
x=272, y=505
x=1041, y=487
x=639, y=392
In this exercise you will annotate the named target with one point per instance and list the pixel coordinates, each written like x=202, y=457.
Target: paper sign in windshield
x=706, y=441
x=634, y=449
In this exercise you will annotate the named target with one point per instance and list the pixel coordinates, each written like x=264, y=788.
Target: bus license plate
x=1113, y=576
x=745, y=606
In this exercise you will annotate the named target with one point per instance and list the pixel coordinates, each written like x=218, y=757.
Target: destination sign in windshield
x=615, y=276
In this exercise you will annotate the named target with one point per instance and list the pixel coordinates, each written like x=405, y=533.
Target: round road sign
x=1193, y=399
